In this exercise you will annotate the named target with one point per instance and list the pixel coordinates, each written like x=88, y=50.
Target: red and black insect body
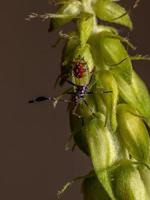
x=79, y=68
x=77, y=95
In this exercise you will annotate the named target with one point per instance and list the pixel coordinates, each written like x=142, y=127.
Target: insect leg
x=67, y=145
x=102, y=90
x=107, y=91
x=76, y=114
x=89, y=108
x=90, y=93
x=70, y=82
x=74, y=111
x=119, y=62
x=57, y=79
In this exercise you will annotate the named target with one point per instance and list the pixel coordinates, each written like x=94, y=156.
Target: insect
x=77, y=96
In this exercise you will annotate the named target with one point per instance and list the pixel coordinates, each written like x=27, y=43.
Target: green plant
x=108, y=119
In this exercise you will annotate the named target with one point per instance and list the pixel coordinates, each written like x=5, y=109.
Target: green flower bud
x=106, y=82
x=128, y=184
x=93, y=190
x=69, y=10
x=133, y=133
x=112, y=12
x=109, y=53
x=135, y=94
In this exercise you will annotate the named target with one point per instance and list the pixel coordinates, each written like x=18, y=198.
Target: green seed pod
x=101, y=143
x=104, y=149
x=69, y=10
x=110, y=54
x=145, y=175
x=112, y=12
x=106, y=82
x=135, y=94
x=133, y=133
x=127, y=183
x=93, y=190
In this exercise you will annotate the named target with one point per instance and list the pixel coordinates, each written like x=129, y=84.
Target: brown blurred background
x=33, y=162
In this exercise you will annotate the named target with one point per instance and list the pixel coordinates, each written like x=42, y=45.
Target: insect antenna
x=39, y=99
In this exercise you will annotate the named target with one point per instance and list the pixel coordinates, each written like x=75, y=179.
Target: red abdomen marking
x=79, y=68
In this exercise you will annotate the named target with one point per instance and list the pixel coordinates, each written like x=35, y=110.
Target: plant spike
x=109, y=106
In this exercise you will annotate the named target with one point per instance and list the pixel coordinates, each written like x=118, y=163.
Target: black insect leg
x=89, y=108
x=111, y=65
x=70, y=82
x=107, y=91
x=101, y=90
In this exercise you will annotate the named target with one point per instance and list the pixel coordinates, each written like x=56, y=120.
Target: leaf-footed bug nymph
x=78, y=68
x=78, y=94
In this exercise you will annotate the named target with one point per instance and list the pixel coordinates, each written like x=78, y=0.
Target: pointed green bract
x=85, y=27
x=135, y=94
x=112, y=12
x=109, y=53
x=106, y=82
x=93, y=190
x=134, y=133
x=69, y=11
x=104, y=149
x=128, y=184
x=145, y=176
